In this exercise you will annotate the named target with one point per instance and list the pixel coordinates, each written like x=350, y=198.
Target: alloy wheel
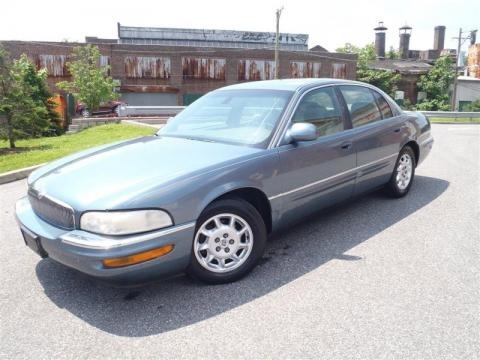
x=404, y=171
x=223, y=243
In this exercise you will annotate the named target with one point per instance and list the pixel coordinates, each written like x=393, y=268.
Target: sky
x=328, y=23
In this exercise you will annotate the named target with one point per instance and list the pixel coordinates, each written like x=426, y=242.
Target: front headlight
x=124, y=222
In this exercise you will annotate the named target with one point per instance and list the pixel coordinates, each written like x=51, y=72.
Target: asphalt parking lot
x=374, y=278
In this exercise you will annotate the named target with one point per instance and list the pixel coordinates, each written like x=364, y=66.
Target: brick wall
x=408, y=84
x=473, y=61
x=176, y=82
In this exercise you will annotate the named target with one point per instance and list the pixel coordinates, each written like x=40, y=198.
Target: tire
x=85, y=113
x=402, y=177
x=223, y=255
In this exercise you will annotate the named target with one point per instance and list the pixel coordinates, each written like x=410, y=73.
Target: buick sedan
x=203, y=194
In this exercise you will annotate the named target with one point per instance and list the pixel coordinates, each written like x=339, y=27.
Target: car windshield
x=245, y=117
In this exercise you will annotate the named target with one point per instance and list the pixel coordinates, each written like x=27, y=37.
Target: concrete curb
x=17, y=174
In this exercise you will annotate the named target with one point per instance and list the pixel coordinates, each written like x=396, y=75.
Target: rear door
x=377, y=135
x=315, y=174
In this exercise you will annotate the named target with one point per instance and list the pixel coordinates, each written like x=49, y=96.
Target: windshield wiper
x=199, y=139
x=187, y=137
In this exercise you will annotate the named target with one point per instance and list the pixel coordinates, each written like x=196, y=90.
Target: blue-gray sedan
x=203, y=194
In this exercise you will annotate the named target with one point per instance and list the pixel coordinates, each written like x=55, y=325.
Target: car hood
x=108, y=177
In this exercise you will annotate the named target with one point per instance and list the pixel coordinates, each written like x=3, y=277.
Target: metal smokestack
x=473, y=37
x=405, y=32
x=439, y=37
x=380, y=40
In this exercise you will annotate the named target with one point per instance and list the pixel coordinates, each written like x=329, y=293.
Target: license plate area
x=33, y=242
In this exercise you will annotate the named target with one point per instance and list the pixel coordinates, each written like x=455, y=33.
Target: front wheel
x=85, y=113
x=403, y=173
x=229, y=240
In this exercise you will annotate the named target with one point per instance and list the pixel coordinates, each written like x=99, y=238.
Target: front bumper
x=85, y=251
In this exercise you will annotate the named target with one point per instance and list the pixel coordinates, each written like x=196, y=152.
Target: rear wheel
x=85, y=113
x=229, y=241
x=403, y=174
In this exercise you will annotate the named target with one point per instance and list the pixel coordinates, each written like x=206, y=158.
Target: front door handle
x=346, y=146
x=397, y=130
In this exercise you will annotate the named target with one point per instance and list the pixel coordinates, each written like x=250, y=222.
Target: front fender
x=185, y=199
x=225, y=189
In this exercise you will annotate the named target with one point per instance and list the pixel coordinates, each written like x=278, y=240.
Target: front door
x=318, y=173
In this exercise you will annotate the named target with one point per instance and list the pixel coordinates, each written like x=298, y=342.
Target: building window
x=339, y=71
x=302, y=69
x=56, y=65
x=104, y=62
x=147, y=67
x=203, y=68
x=251, y=69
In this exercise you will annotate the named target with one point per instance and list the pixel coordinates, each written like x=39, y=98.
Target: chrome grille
x=50, y=211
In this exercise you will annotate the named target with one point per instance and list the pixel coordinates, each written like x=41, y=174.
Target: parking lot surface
x=373, y=278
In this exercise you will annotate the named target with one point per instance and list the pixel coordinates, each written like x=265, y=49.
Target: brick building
x=473, y=61
x=158, y=66
x=412, y=63
x=410, y=72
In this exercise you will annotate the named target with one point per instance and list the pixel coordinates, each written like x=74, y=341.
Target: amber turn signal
x=138, y=258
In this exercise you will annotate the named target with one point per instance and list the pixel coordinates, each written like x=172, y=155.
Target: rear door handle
x=397, y=130
x=346, y=146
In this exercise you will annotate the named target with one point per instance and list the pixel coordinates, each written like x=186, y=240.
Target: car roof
x=287, y=84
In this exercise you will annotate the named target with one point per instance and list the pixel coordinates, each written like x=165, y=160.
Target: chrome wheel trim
x=223, y=243
x=404, y=171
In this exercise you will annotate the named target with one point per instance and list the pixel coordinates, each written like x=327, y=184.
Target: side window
x=383, y=105
x=320, y=107
x=361, y=104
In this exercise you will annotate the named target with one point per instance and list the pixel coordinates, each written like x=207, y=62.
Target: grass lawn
x=37, y=151
x=439, y=120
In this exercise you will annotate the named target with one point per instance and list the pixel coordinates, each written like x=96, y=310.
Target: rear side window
x=361, y=105
x=320, y=107
x=383, y=105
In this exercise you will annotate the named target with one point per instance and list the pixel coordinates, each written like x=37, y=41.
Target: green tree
x=436, y=84
x=393, y=54
x=23, y=115
x=383, y=79
x=473, y=106
x=348, y=48
x=90, y=83
x=366, y=55
x=37, y=80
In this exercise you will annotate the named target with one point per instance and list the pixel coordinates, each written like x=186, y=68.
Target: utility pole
x=455, y=79
x=277, y=60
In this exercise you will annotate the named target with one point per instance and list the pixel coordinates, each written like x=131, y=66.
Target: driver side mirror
x=301, y=131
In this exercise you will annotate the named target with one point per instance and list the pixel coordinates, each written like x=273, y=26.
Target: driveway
x=374, y=278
